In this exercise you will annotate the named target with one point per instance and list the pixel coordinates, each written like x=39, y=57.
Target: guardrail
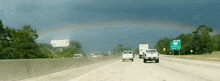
x=26, y=68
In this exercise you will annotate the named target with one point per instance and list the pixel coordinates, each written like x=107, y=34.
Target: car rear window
x=77, y=55
x=151, y=51
x=127, y=53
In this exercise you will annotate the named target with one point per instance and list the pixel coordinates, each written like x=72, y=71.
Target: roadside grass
x=215, y=56
x=117, y=54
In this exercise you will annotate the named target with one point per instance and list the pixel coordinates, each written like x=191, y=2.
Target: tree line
x=75, y=47
x=120, y=48
x=200, y=41
x=21, y=44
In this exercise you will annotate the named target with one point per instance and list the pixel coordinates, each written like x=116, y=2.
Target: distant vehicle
x=142, y=49
x=104, y=54
x=95, y=55
x=127, y=55
x=109, y=53
x=151, y=55
x=77, y=56
x=92, y=54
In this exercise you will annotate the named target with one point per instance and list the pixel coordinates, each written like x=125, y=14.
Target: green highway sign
x=175, y=45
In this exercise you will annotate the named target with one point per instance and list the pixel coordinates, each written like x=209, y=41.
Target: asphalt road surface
x=169, y=69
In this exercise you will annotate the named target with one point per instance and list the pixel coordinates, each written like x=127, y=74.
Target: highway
x=169, y=69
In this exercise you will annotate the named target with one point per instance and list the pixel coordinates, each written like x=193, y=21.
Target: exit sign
x=175, y=45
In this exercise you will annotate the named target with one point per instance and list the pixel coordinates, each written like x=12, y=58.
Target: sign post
x=191, y=51
x=164, y=49
x=175, y=45
x=60, y=49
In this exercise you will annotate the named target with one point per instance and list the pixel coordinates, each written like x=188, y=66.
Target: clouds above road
x=58, y=19
x=49, y=13
x=114, y=24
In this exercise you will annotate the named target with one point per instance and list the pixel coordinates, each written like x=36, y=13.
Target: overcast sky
x=102, y=24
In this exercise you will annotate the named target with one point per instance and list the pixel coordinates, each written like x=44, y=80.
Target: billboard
x=60, y=43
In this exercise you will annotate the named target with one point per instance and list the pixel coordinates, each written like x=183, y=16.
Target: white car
x=150, y=55
x=96, y=55
x=78, y=56
x=127, y=55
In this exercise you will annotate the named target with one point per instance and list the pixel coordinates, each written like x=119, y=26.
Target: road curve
x=169, y=69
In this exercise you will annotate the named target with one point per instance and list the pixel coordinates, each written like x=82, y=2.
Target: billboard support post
x=60, y=43
x=60, y=49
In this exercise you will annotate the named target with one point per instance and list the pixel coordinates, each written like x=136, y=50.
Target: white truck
x=151, y=55
x=142, y=49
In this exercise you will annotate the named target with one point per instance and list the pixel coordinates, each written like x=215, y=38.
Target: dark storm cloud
x=73, y=11
x=185, y=12
x=24, y=8
x=85, y=19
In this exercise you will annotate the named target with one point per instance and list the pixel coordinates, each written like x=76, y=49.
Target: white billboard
x=60, y=43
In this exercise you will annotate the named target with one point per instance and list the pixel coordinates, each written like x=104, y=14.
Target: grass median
x=209, y=57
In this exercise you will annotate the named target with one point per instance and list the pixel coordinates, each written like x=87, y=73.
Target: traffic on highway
x=111, y=40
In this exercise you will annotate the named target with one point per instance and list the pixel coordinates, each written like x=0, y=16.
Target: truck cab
x=151, y=55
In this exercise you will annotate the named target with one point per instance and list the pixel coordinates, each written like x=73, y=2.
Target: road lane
x=167, y=70
x=121, y=71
